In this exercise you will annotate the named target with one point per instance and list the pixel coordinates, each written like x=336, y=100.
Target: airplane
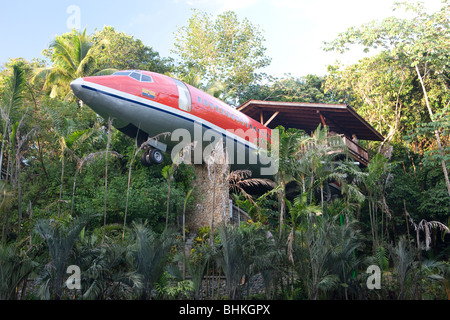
x=145, y=104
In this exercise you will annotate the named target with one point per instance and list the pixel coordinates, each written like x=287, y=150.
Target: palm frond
x=60, y=237
x=148, y=253
x=105, y=72
x=14, y=268
x=14, y=89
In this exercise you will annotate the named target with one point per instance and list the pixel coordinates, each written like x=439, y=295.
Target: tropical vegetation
x=73, y=194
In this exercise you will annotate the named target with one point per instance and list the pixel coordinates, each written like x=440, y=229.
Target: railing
x=237, y=214
x=358, y=152
x=355, y=150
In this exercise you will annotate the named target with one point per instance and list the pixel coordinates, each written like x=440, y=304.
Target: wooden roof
x=340, y=118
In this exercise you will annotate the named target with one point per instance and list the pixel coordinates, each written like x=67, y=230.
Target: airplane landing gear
x=151, y=156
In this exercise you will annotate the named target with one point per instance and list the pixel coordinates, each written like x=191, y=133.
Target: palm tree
x=238, y=180
x=66, y=135
x=196, y=265
x=72, y=58
x=426, y=227
x=60, y=237
x=344, y=239
x=109, y=131
x=14, y=269
x=136, y=152
x=299, y=211
x=403, y=257
x=290, y=143
x=313, y=253
x=168, y=173
x=12, y=99
x=319, y=157
x=242, y=253
x=374, y=184
x=80, y=162
x=149, y=254
x=5, y=196
x=105, y=268
x=17, y=141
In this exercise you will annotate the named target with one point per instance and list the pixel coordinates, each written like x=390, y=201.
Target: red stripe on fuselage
x=204, y=106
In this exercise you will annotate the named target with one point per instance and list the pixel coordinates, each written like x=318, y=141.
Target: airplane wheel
x=145, y=159
x=156, y=156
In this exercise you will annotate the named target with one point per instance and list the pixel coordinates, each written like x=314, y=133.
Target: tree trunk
x=19, y=194
x=74, y=186
x=282, y=208
x=1, y=158
x=61, y=185
x=211, y=234
x=168, y=201
x=106, y=176
x=436, y=132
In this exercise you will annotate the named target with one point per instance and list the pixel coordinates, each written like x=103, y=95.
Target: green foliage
x=420, y=47
x=53, y=171
x=118, y=50
x=72, y=57
x=167, y=288
x=224, y=49
x=310, y=88
x=15, y=267
x=243, y=252
x=149, y=253
x=60, y=235
x=325, y=256
x=196, y=264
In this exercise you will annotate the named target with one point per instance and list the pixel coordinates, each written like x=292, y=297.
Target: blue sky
x=294, y=29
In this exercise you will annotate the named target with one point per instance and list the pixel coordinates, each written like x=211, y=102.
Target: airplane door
x=184, y=96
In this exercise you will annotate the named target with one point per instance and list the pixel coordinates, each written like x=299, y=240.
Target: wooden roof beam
x=339, y=127
x=271, y=118
x=322, y=118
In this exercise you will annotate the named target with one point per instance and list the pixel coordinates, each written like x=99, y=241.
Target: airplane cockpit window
x=146, y=78
x=136, y=75
x=121, y=73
